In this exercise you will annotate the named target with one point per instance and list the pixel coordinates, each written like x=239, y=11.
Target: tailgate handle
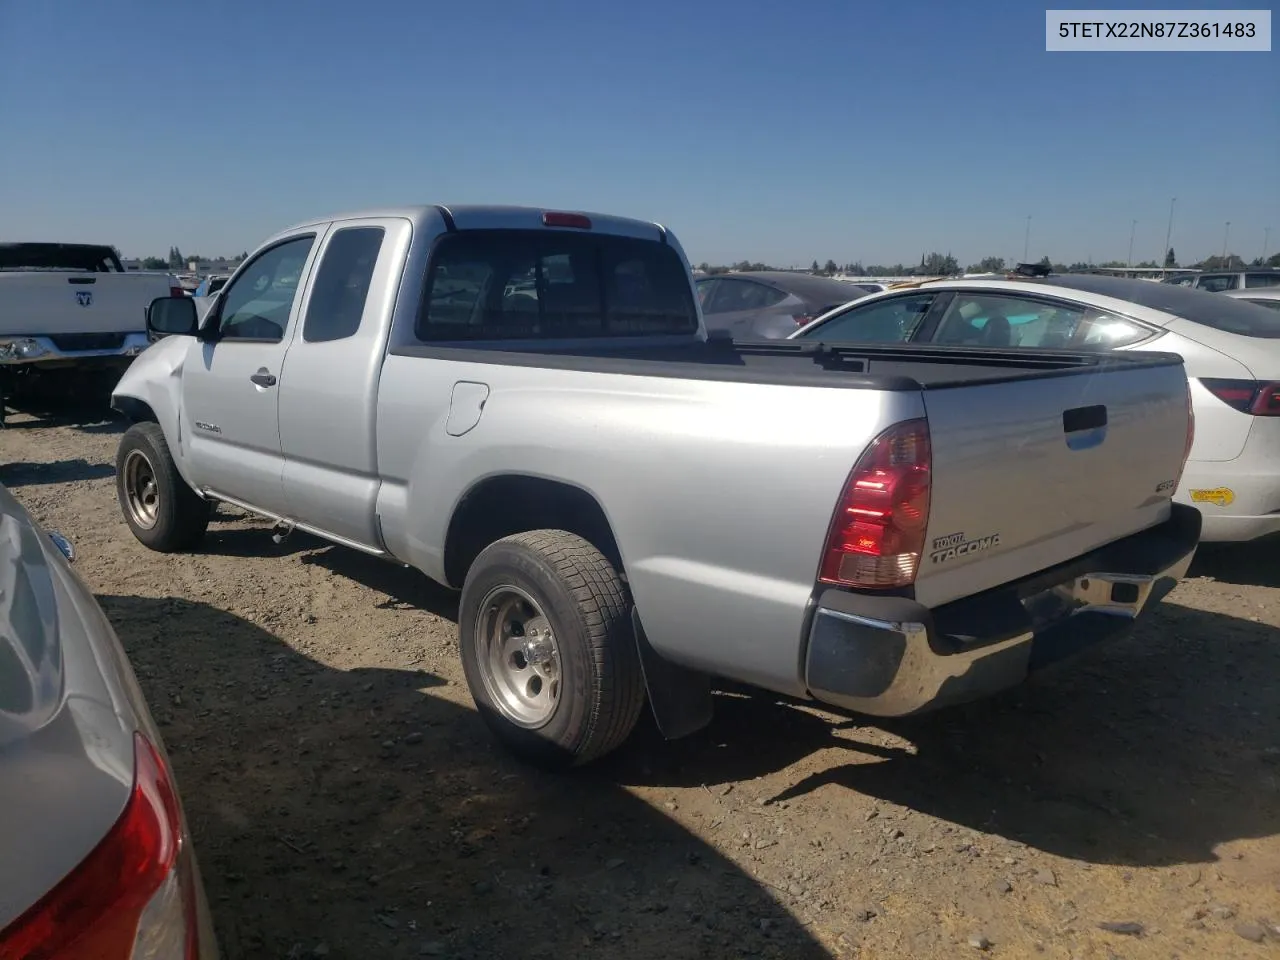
x=79, y=280
x=1084, y=418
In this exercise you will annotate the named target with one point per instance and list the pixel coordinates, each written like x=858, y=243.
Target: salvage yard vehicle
x=525, y=405
x=1230, y=350
x=70, y=312
x=96, y=859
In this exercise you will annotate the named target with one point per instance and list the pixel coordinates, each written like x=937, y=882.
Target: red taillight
x=94, y=911
x=177, y=292
x=1258, y=397
x=802, y=318
x=553, y=219
x=878, y=532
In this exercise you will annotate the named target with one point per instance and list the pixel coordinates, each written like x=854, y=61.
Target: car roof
x=478, y=216
x=801, y=284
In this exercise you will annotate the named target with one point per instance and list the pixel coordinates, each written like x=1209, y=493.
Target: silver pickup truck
x=524, y=404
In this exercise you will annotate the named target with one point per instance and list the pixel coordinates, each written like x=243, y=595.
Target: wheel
x=544, y=626
x=162, y=511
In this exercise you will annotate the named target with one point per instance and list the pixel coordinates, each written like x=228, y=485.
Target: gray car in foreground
x=525, y=404
x=96, y=861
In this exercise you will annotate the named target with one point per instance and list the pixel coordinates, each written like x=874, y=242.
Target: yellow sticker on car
x=1218, y=496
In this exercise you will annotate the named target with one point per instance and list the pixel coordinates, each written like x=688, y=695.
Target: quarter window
x=894, y=320
x=342, y=284
x=1262, y=279
x=256, y=305
x=734, y=295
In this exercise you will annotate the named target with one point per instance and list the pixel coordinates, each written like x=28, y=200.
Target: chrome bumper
x=891, y=657
x=16, y=350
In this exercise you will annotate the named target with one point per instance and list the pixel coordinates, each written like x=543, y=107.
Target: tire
x=591, y=670
x=162, y=511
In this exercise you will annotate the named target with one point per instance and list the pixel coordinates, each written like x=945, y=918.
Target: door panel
x=230, y=384
x=329, y=388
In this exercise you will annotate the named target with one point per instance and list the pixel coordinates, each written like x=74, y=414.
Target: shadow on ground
x=366, y=812
x=1256, y=563
x=61, y=471
x=1153, y=752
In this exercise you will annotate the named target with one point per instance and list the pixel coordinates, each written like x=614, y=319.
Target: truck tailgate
x=44, y=303
x=1035, y=472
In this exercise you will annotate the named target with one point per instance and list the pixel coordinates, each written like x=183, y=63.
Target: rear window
x=552, y=284
x=1262, y=279
x=1235, y=316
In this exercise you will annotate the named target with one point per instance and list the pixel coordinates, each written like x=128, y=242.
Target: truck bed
x=897, y=367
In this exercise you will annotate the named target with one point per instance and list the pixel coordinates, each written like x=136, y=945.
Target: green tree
x=987, y=265
x=1170, y=260
x=175, y=259
x=1046, y=262
x=814, y=268
x=154, y=263
x=938, y=265
x=1274, y=260
x=830, y=268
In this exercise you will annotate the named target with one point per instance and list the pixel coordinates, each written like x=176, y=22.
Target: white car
x=1262, y=296
x=1231, y=350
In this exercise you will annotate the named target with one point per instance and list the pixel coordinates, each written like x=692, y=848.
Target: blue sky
x=857, y=131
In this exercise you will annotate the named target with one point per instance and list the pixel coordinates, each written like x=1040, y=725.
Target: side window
x=1262, y=280
x=256, y=305
x=1217, y=283
x=704, y=288
x=342, y=284
x=894, y=320
x=1106, y=331
x=1000, y=321
x=731, y=295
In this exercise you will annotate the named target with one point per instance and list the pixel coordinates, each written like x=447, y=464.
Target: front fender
x=153, y=383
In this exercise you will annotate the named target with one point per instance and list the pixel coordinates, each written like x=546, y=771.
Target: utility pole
x=1026, y=240
x=1168, y=234
x=1132, y=227
x=1266, y=243
x=1226, y=236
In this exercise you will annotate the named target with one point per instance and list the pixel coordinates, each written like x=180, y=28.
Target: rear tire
x=162, y=511
x=544, y=626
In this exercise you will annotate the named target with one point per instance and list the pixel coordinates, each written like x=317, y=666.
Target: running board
x=294, y=524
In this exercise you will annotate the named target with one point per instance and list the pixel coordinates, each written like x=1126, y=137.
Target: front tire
x=162, y=511
x=544, y=626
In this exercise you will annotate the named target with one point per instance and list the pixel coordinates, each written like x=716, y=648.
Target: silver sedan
x=1231, y=350
x=95, y=857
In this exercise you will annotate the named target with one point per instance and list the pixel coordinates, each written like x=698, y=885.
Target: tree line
x=177, y=261
x=944, y=264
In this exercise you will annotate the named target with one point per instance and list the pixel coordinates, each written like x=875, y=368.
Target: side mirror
x=171, y=316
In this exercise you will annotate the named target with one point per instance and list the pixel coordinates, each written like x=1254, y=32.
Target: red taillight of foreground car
x=878, y=533
x=133, y=896
x=1258, y=397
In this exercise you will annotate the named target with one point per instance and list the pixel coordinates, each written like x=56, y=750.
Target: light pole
x=1226, y=236
x=1132, y=227
x=1168, y=234
x=1266, y=243
x=1026, y=240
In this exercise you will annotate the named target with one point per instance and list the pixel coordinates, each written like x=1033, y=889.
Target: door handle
x=264, y=378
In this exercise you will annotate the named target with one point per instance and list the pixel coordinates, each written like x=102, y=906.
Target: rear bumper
x=1238, y=502
x=892, y=657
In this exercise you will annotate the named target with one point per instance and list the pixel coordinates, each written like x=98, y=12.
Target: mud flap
x=680, y=698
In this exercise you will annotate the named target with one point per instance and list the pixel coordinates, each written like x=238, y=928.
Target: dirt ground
x=347, y=802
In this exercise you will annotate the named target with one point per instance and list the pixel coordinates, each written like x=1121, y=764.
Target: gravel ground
x=347, y=802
